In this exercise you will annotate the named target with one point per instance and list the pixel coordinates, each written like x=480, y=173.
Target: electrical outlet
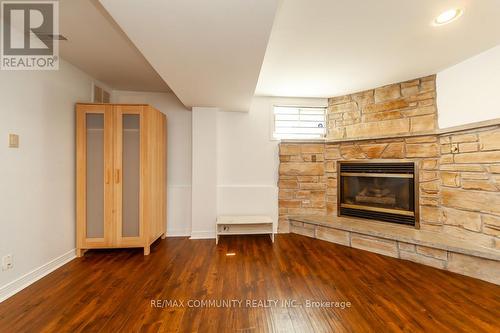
x=7, y=262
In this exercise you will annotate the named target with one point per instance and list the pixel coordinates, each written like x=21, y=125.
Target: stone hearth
x=425, y=247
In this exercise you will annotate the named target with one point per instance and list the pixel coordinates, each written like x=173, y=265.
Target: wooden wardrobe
x=120, y=176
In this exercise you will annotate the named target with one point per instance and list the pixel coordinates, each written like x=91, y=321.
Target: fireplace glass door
x=379, y=191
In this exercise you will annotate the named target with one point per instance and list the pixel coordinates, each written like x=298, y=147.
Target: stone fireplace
x=384, y=154
x=378, y=190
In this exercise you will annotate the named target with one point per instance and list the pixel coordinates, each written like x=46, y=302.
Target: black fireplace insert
x=379, y=190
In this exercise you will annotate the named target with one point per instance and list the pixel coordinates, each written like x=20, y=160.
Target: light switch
x=13, y=141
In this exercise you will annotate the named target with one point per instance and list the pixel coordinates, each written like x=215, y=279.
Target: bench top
x=244, y=219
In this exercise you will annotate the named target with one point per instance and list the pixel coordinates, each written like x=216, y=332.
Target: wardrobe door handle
x=117, y=180
x=107, y=176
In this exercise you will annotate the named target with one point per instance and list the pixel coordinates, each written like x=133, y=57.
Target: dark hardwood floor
x=112, y=291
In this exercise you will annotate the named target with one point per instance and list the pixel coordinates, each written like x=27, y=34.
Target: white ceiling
x=208, y=51
x=211, y=52
x=98, y=46
x=324, y=48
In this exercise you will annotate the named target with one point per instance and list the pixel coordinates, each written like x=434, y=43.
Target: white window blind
x=299, y=122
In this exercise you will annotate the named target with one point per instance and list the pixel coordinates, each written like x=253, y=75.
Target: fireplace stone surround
x=458, y=180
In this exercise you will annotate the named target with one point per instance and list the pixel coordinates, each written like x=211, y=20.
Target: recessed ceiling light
x=448, y=16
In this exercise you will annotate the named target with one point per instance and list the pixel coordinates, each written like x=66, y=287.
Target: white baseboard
x=203, y=234
x=19, y=284
x=178, y=232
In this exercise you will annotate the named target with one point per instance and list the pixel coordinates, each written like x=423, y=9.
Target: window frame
x=301, y=106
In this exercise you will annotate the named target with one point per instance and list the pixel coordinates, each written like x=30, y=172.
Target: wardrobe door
x=94, y=176
x=128, y=145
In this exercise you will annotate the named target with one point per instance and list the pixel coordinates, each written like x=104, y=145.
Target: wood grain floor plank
x=112, y=290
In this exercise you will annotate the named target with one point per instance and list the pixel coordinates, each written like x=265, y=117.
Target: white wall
x=218, y=162
x=179, y=155
x=37, y=180
x=204, y=172
x=231, y=155
x=468, y=92
x=248, y=160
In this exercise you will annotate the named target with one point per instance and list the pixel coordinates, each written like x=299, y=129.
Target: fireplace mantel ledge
x=438, y=132
x=400, y=233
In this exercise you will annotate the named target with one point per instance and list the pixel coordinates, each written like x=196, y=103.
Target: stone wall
x=303, y=181
x=459, y=187
x=470, y=185
x=308, y=173
x=459, y=179
x=402, y=108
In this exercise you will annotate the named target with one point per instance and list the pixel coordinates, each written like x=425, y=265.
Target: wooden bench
x=244, y=225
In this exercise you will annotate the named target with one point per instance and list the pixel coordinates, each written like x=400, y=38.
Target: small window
x=299, y=122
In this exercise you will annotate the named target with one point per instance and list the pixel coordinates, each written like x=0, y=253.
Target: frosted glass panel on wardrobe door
x=131, y=176
x=95, y=175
